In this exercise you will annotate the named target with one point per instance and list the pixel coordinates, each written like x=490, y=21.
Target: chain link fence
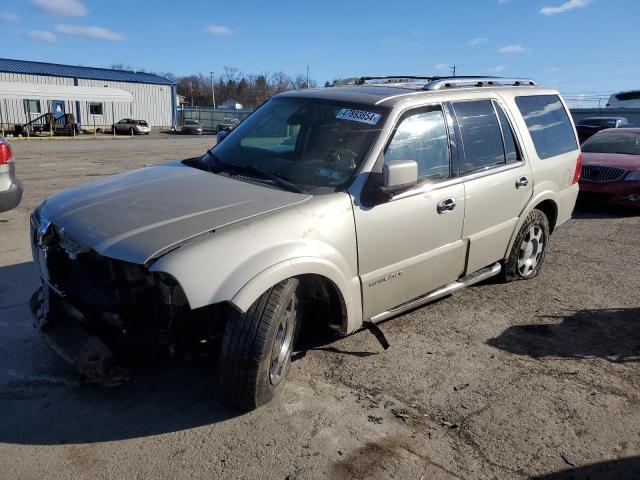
x=209, y=117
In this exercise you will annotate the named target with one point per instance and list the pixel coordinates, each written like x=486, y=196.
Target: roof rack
x=470, y=82
x=388, y=78
x=439, y=83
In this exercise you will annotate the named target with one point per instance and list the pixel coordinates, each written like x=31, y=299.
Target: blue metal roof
x=56, y=70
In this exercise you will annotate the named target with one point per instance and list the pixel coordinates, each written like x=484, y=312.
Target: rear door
x=497, y=179
x=410, y=244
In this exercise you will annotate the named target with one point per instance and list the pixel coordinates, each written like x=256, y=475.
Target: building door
x=57, y=108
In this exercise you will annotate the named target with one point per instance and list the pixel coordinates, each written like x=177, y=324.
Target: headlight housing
x=633, y=176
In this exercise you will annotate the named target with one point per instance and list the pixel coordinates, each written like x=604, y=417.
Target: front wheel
x=257, y=347
x=529, y=248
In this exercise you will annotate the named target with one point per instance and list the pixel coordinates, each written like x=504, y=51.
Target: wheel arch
x=547, y=202
x=308, y=269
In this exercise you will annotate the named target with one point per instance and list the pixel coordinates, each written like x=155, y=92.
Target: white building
x=154, y=97
x=230, y=104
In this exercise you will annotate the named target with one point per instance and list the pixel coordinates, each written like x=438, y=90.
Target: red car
x=611, y=166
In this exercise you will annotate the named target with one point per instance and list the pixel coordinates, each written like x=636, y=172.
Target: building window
x=95, y=109
x=32, y=106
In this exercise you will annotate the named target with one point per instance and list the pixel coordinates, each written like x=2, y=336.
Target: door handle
x=446, y=205
x=522, y=182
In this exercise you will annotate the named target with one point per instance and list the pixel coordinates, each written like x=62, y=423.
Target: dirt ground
x=536, y=379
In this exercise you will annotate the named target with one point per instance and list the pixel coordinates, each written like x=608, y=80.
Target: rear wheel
x=257, y=347
x=529, y=248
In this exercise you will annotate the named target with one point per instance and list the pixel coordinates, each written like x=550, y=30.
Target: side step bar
x=471, y=279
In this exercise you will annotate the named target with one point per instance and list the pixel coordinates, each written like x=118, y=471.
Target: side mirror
x=399, y=175
x=221, y=135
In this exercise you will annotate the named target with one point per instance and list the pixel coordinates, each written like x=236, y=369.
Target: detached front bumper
x=59, y=322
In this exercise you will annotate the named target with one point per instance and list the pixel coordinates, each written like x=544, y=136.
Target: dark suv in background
x=592, y=125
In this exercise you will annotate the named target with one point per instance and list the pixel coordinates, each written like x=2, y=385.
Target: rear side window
x=481, y=135
x=548, y=124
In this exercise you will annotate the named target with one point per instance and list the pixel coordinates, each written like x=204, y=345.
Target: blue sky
x=578, y=46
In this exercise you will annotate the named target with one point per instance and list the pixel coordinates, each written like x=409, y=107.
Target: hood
x=619, y=160
x=140, y=215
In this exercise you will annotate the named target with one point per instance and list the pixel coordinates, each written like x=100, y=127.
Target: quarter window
x=422, y=136
x=481, y=135
x=548, y=124
x=95, y=109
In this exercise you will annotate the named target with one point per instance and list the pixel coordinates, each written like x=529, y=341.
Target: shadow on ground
x=623, y=469
x=611, y=334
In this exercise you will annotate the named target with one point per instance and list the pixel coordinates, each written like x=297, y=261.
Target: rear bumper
x=11, y=197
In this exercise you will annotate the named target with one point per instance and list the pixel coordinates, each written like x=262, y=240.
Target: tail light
x=576, y=175
x=5, y=154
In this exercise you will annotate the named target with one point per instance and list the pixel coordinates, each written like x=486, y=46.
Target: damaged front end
x=96, y=311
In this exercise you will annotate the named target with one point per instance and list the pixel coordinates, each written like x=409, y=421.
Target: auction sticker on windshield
x=361, y=116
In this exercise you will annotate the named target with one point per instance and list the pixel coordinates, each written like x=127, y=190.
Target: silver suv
x=345, y=205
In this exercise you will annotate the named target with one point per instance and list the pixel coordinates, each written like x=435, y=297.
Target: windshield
x=614, y=142
x=314, y=144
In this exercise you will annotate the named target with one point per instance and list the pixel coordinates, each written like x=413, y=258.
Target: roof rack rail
x=389, y=78
x=439, y=83
x=471, y=82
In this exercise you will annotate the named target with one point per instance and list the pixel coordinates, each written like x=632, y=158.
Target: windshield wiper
x=256, y=169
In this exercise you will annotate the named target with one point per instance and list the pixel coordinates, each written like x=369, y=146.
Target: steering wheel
x=343, y=157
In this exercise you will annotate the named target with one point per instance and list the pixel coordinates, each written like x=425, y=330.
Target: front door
x=57, y=108
x=498, y=181
x=411, y=244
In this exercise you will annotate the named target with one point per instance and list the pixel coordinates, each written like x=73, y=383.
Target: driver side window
x=422, y=136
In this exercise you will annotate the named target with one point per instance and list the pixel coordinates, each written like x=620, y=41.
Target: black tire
x=515, y=266
x=247, y=375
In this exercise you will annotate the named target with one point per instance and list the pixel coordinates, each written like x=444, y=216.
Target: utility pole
x=453, y=70
x=307, y=77
x=213, y=91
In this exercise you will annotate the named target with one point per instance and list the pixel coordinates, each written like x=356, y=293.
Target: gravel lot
x=500, y=381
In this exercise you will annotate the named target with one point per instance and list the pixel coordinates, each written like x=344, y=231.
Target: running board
x=471, y=279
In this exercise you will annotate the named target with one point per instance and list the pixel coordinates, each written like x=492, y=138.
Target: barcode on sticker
x=359, y=116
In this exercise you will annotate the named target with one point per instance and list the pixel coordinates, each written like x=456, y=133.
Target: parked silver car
x=132, y=127
x=346, y=205
x=192, y=127
x=10, y=186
